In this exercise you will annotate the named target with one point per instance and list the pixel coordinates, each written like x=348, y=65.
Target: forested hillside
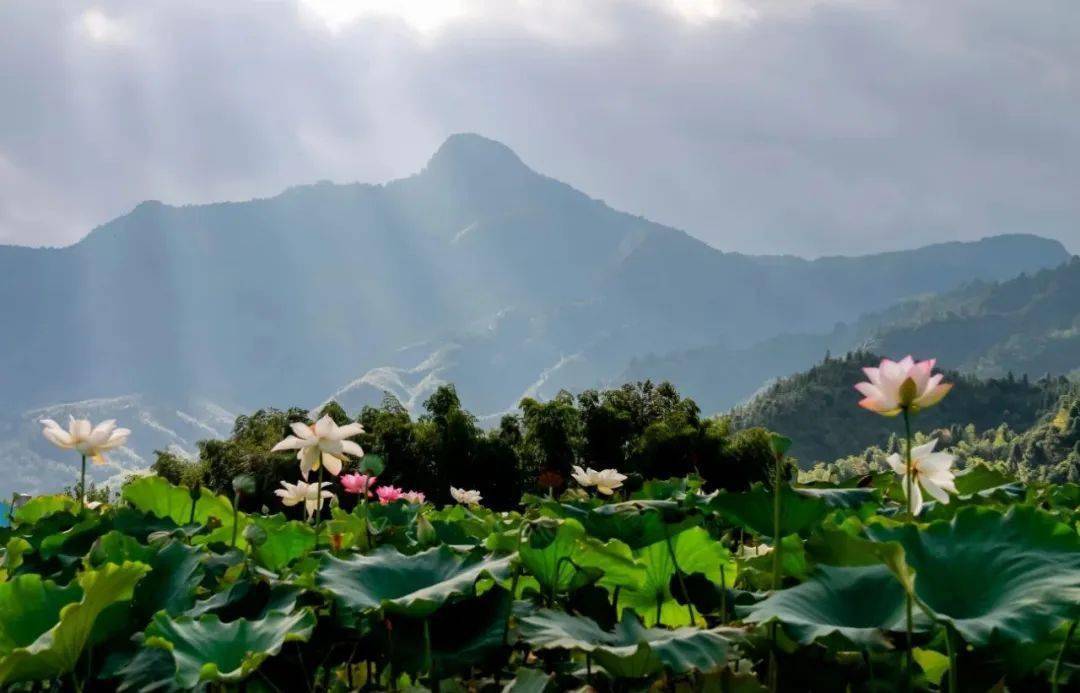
x=817, y=408
x=1049, y=451
x=1027, y=324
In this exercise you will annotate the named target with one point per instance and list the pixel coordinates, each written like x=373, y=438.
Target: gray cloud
x=840, y=127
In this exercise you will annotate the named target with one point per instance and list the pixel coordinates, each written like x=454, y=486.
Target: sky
x=812, y=127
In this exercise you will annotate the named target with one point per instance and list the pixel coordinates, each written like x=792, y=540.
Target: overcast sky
x=836, y=127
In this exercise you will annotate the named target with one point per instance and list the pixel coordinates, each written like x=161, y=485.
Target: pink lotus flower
x=898, y=385
x=358, y=483
x=388, y=494
x=414, y=497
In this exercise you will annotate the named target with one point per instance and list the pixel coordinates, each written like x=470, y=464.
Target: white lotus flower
x=931, y=470
x=311, y=495
x=322, y=443
x=465, y=496
x=605, y=480
x=904, y=384
x=85, y=438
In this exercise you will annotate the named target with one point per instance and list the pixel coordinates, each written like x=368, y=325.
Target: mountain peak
x=469, y=152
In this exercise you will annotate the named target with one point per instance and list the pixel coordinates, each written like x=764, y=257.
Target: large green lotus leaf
x=463, y=634
x=838, y=605
x=696, y=552
x=247, y=599
x=286, y=540
x=29, y=606
x=14, y=553
x=56, y=650
x=155, y=495
x=207, y=650
x=631, y=650
x=43, y=506
x=548, y=551
x=757, y=571
x=635, y=523
x=1013, y=576
x=614, y=559
x=117, y=547
x=980, y=478
x=528, y=681
x=75, y=540
x=150, y=670
x=349, y=528
x=456, y=525
x=176, y=571
x=413, y=585
x=753, y=509
x=847, y=498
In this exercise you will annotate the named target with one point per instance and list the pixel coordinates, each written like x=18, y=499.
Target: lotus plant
x=465, y=496
x=902, y=386
x=928, y=469
x=86, y=439
x=605, y=480
x=311, y=495
x=906, y=387
x=359, y=484
x=413, y=497
x=323, y=444
x=388, y=494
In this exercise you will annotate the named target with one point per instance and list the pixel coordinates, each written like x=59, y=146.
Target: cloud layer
x=837, y=127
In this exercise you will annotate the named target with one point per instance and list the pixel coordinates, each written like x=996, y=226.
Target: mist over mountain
x=477, y=270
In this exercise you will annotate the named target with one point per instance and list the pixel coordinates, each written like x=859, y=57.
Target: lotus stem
x=723, y=595
x=950, y=650
x=318, y=508
x=909, y=601
x=776, y=522
x=82, y=484
x=1055, y=677
x=429, y=661
x=235, y=516
x=367, y=523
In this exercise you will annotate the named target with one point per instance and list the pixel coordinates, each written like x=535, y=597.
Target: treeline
x=645, y=430
x=817, y=408
x=1049, y=451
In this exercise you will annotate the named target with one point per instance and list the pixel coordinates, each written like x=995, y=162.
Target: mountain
x=30, y=464
x=476, y=270
x=818, y=408
x=1029, y=324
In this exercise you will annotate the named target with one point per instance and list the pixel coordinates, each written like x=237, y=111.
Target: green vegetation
x=663, y=587
x=1049, y=451
x=645, y=430
x=817, y=409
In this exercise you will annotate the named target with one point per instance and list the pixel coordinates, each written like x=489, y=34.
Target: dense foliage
x=837, y=428
x=644, y=430
x=171, y=589
x=1049, y=451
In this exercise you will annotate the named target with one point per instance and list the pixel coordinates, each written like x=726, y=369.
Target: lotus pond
x=665, y=587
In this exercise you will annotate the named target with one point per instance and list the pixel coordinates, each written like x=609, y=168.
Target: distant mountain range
x=1029, y=324
x=477, y=270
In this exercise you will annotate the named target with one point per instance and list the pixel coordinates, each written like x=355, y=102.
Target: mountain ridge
x=476, y=270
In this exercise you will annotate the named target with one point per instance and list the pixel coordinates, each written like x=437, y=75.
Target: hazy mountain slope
x=31, y=464
x=476, y=270
x=288, y=298
x=1029, y=324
